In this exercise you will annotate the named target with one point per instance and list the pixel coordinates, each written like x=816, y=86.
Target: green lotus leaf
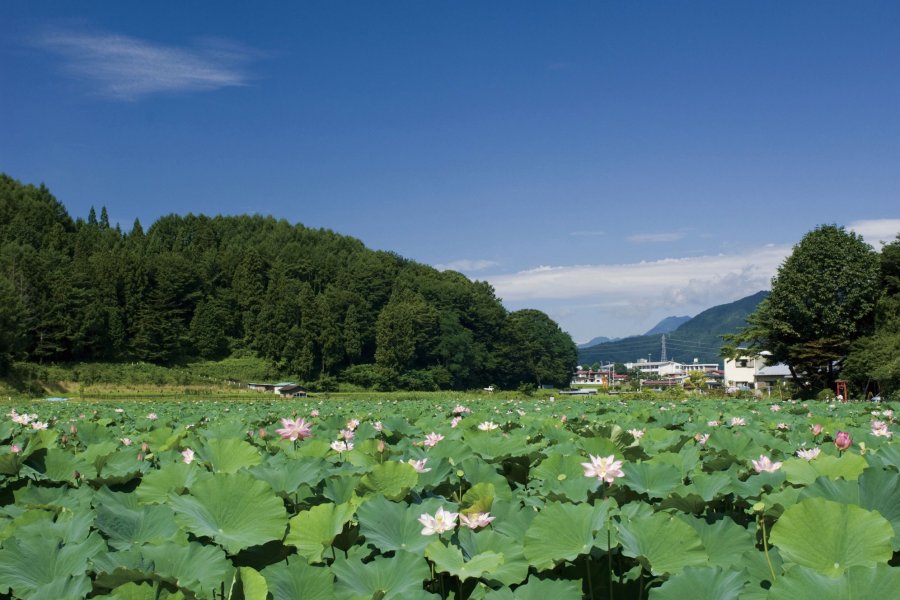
x=710, y=485
x=62, y=465
x=801, y=583
x=540, y=589
x=341, y=488
x=286, y=476
x=314, y=530
x=563, y=475
x=97, y=453
x=701, y=583
x=392, y=479
x=804, y=472
x=664, y=541
x=74, y=499
x=492, y=445
x=199, y=569
x=120, y=467
x=514, y=568
x=599, y=446
x=877, y=489
x=832, y=537
x=559, y=532
x=44, y=567
x=449, y=559
x=139, y=591
x=724, y=540
x=736, y=444
x=253, y=584
x=124, y=521
x=397, y=577
x=475, y=470
x=655, y=480
x=237, y=511
x=156, y=486
x=887, y=456
x=229, y=455
x=392, y=526
x=299, y=580
x=478, y=498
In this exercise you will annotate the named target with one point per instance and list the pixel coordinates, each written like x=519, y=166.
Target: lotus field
x=465, y=498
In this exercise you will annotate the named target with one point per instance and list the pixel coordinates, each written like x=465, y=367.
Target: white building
x=754, y=372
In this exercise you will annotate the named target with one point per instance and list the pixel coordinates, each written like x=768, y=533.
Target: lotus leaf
x=559, y=532
x=314, y=530
x=299, y=580
x=664, y=541
x=832, y=537
x=801, y=583
x=391, y=479
x=397, y=577
x=237, y=511
x=229, y=455
x=701, y=583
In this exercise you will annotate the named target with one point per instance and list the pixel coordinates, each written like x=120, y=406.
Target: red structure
x=840, y=388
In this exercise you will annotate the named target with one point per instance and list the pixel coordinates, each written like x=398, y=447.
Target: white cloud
x=128, y=68
x=669, y=281
x=642, y=238
x=466, y=265
x=877, y=231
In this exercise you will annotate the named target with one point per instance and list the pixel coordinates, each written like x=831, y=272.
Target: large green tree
x=874, y=361
x=823, y=299
x=535, y=351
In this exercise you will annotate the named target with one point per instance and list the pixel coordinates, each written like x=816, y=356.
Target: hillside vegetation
x=700, y=337
x=317, y=305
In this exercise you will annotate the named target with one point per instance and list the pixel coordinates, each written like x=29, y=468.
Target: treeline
x=320, y=306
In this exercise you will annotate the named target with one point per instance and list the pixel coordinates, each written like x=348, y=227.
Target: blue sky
x=608, y=163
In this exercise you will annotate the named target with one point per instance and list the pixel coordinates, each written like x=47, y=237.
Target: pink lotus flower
x=459, y=409
x=314, y=412
x=294, y=430
x=880, y=429
x=487, y=426
x=765, y=464
x=738, y=421
x=441, y=521
x=15, y=449
x=775, y=407
x=782, y=426
x=701, y=438
x=713, y=423
x=476, y=520
x=419, y=465
x=455, y=421
x=637, y=434
x=809, y=454
x=842, y=440
x=126, y=441
x=187, y=456
x=120, y=410
x=38, y=425
x=606, y=468
x=817, y=429
x=347, y=434
x=432, y=439
x=378, y=426
x=352, y=424
x=152, y=416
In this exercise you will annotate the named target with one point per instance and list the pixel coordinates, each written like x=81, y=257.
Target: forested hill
x=700, y=337
x=317, y=304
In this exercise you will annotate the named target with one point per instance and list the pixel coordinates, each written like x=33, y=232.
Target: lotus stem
x=762, y=521
x=590, y=582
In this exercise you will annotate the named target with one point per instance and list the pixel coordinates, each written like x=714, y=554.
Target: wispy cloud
x=466, y=265
x=128, y=68
x=877, y=231
x=652, y=238
x=670, y=280
x=625, y=299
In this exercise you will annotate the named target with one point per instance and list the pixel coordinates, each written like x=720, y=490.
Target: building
x=753, y=372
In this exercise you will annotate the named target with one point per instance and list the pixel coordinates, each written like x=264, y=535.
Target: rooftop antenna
x=662, y=354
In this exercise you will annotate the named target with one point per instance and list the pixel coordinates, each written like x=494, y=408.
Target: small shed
x=292, y=391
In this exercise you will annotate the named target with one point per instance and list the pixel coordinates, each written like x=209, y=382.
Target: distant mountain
x=700, y=337
x=597, y=340
x=668, y=324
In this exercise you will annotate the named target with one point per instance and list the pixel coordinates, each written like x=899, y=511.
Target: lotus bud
x=140, y=456
x=15, y=449
x=145, y=446
x=381, y=445
x=64, y=440
x=817, y=429
x=842, y=440
x=263, y=433
x=72, y=429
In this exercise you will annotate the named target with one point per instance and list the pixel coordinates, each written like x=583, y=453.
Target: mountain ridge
x=699, y=337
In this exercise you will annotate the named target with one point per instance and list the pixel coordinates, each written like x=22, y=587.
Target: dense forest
x=320, y=306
